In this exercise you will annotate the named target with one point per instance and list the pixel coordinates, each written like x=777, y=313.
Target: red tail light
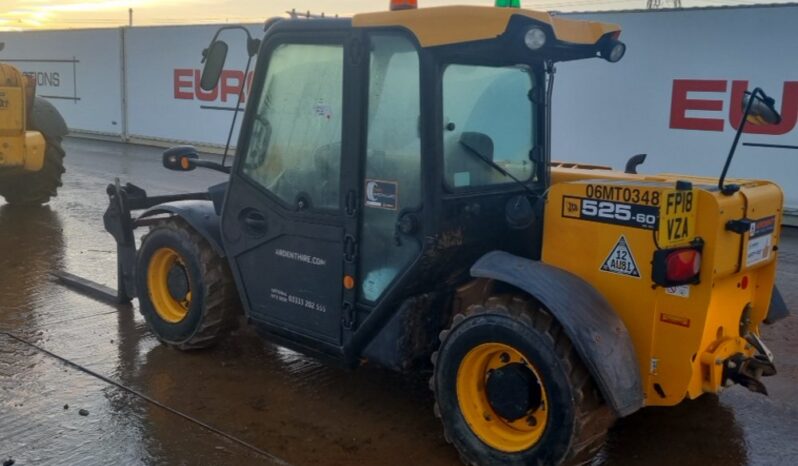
x=682, y=265
x=673, y=267
x=404, y=5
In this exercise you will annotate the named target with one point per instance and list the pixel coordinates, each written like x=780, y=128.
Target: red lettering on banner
x=205, y=96
x=180, y=84
x=680, y=104
x=186, y=84
x=789, y=109
x=232, y=88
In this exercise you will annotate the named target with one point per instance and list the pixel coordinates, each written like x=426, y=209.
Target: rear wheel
x=511, y=390
x=33, y=189
x=186, y=291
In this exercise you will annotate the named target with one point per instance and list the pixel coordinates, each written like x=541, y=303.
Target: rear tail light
x=682, y=264
x=673, y=267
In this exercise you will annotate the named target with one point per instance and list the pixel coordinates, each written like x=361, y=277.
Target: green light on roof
x=508, y=3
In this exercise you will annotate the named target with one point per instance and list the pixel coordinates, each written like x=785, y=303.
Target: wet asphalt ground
x=297, y=410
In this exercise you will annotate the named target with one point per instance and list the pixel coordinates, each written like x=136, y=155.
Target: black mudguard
x=778, y=308
x=118, y=221
x=200, y=214
x=598, y=334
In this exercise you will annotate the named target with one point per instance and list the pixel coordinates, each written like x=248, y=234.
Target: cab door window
x=392, y=182
x=295, y=146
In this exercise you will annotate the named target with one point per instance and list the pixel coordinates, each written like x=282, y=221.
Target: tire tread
x=593, y=417
x=218, y=317
x=37, y=188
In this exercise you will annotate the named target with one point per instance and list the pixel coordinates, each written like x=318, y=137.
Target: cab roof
x=447, y=25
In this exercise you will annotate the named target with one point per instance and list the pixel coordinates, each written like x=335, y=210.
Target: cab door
x=392, y=188
x=287, y=221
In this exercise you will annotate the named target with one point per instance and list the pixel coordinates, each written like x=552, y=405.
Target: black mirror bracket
x=253, y=45
x=180, y=158
x=757, y=93
x=186, y=158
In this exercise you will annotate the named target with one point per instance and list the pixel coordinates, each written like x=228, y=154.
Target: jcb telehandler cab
x=392, y=200
x=31, y=130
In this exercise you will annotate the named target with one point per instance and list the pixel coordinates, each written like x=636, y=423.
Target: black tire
x=34, y=189
x=577, y=420
x=211, y=313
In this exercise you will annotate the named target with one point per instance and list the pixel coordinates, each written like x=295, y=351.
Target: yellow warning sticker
x=677, y=217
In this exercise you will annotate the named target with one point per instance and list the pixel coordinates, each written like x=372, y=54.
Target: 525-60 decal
x=618, y=213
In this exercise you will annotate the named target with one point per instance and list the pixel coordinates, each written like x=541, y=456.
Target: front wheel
x=511, y=390
x=186, y=291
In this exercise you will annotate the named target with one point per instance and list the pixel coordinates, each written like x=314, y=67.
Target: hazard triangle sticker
x=621, y=260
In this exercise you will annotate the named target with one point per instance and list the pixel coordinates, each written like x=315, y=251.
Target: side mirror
x=479, y=143
x=180, y=158
x=612, y=50
x=763, y=111
x=758, y=109
x=213, y=57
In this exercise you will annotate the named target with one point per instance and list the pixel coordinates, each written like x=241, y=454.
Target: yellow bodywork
x=456, y=24
x=19, y=148
x=682, y=335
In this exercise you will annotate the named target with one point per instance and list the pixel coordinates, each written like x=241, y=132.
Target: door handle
x=254, y=222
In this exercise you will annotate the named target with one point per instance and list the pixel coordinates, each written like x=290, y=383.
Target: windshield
x=492, y=101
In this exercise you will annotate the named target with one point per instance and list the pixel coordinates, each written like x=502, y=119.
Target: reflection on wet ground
x=293, y=407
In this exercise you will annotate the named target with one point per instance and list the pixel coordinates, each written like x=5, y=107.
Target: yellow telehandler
x=31, y=131
x=393, y=201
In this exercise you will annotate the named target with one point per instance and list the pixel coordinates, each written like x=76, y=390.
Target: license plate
x=677, y=217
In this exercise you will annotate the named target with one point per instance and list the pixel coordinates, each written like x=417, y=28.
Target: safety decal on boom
x=621, y=260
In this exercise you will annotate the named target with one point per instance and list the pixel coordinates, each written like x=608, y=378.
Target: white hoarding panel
x=165, y=100
x=676, y=95
x=78, y=71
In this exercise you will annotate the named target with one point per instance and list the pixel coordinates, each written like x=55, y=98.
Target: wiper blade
x=495, y=166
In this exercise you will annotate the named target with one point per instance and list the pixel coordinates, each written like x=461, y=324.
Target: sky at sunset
x=61, y=14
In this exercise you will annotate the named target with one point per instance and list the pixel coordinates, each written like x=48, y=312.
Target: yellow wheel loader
x=393, y=202
x=31, y=131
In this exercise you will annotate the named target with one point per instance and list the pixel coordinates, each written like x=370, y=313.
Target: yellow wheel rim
x=168, y=307
x=499, y=433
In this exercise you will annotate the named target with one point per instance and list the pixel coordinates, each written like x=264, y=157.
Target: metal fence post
x=123, y=81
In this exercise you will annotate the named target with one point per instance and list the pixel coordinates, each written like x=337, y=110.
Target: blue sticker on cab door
x=382, y=194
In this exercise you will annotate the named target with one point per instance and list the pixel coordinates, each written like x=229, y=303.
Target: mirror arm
x=728, y=190
x=238, y=109
x=252, y=48
x=550, y=72
x=210, y=165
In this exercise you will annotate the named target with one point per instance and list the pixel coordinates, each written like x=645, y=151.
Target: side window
x=487, y=107
x=295, y=147
x=393, y=161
